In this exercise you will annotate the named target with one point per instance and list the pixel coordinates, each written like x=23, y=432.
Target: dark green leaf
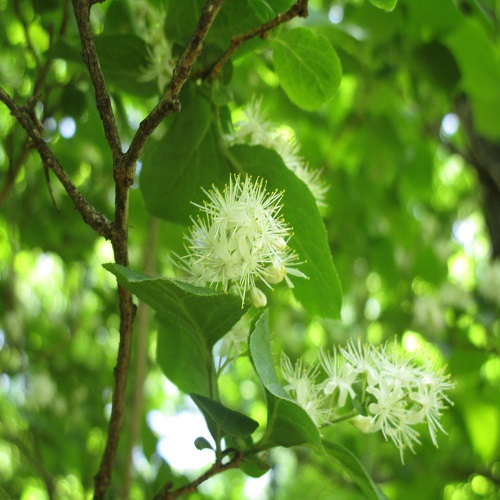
x=191, y=319
x=288, y=423
x=208, y=313
x=308, y=67
x=321, y=293
x=355, y=470
x=184, y=357
x=202, y=444
x=186, y=159
x=254, y=466
x=124, y=59
x=222, y=420
x=67, y=49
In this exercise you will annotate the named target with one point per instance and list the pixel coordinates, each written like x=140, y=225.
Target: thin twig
x=95, y=219
x=298, y=9
x=89, y=55
x=217, y=468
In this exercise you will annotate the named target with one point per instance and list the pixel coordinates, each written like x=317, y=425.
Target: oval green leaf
x=308, y=67
x=223, y=421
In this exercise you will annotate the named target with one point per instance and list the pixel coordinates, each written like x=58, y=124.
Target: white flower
x=303, y=388
x=489, y=283
x=361, y=358
x=242, y=240
x=256, y=130
x=340, y=376
x=402, y=395
x=390, y=413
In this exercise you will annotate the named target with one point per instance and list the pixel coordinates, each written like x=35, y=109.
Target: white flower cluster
x=377, y=389
x=241, y=240
x=256, y=130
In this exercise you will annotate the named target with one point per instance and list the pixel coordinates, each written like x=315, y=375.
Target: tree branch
x=298, y=9
x=218, y=467
x=170, y=102
x=25, y=116
x=89, y=55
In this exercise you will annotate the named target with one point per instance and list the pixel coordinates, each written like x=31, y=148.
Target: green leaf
x=223, y=421
x=186, y=159
x=308, y=67
x=254, y=466
x=123, y=60
x=202, y=444
x=288, y=424
x=184, y=357
x=321, y=293
x=200, y=309
x=387, y=5
x=262, y=10
x=65, y=48
x=191, y=319
x=355, y=469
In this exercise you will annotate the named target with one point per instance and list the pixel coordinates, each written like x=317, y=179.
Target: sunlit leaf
x=308, y=67
x=385, y=4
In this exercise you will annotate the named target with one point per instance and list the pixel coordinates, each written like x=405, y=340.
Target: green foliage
x=308, y=67
x=360, y=90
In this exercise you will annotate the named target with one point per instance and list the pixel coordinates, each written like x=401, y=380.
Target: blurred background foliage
x=409, y=146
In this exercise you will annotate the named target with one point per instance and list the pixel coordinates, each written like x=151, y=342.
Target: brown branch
x=170, y=102
x=298, y=9
x=124, y=171
x=25, y=117
x=89, y=55
x=217, y=468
